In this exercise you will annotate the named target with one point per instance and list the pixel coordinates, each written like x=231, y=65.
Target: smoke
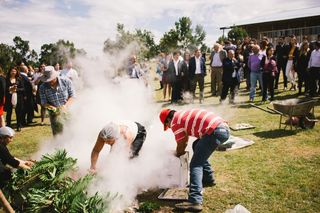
x=107, y=95
x=105, y=98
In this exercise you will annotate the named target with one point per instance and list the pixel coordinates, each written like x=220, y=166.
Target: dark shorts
x=138, y=141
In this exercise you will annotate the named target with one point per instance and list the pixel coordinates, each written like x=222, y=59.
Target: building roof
x=282, y=15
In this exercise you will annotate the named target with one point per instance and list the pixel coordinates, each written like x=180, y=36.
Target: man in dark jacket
x=229, y=77
x=282, y=58
x=6, y=137
x=197, y=68
x=28, y=99
x=174, y=68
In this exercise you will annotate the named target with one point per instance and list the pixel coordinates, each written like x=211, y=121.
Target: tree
x=182, y=36
x=59, y=52
x=22, y=52
x=169, y=41
x=184, y=32
x=145, y=40
x=6, y=57
x=237, y=33
x=221, y=39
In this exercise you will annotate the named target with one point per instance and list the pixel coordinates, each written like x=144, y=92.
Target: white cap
x=6, y=131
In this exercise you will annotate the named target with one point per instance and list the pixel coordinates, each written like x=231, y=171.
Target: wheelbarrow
x=299, y=112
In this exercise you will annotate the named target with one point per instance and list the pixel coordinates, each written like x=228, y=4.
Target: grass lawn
x=279, y=173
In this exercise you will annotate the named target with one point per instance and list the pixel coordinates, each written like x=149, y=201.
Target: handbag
x=14, y=99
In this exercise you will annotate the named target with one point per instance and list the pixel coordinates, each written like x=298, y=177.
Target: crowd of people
x=24, y=90
x=50, y=89
x=258, y=63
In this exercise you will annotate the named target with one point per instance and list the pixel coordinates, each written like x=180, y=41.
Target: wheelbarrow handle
x=276, y=111
x=268, y=111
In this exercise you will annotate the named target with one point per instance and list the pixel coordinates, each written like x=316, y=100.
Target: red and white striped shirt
x=194, y=122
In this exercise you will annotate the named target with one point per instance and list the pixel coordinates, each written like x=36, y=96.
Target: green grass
x=26, y=142
x=279, y=173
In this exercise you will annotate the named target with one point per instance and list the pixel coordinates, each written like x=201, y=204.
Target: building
x=302, y=22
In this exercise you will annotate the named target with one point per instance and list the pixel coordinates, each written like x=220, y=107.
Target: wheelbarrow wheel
x=306, y=122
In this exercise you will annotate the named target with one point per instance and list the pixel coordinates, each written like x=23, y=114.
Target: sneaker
x=188, y=206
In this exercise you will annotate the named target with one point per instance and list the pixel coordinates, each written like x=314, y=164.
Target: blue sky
x=88, y=23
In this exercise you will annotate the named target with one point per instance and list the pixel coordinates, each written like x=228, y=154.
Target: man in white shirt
x=132, y=133
x=197, y=68
x=314, y=67
x=70, y=73
x=216, y=58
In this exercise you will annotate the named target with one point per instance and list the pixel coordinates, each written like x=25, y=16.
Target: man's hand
x=29, y=163
x=25, y=164
x=180, y=153
x=92, y=171
x=51, y=108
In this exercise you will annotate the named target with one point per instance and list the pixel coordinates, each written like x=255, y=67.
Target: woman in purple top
x=269, y=65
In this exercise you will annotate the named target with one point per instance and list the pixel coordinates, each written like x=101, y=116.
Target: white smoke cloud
x=104, y=99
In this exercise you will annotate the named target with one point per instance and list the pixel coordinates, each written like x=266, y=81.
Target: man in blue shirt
x=56, y=94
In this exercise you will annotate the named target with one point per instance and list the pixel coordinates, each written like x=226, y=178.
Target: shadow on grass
x=276, y=133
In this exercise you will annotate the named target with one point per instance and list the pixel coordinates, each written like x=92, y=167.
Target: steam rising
x=103, y=99
x=106, y=98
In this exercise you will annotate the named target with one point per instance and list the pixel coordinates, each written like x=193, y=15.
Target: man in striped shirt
x=210, y=131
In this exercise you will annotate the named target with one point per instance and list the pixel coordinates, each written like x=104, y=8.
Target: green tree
x=169, y=41
x=221, y=39
x=6, y=57
x=22, y=52
x=182, y=36
x=59, y=52
x=237, y=33
x=145, y=39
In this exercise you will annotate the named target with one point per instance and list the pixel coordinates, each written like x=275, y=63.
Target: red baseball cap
x=163, y=116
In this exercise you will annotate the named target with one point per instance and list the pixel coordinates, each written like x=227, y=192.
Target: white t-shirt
x=132, y=127
x=198, y=66
x=72, y=74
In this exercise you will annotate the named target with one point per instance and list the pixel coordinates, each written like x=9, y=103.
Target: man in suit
x=175, y=69
x=28, y=99
x=197, y=68
x=217, y=56
x=282, y=58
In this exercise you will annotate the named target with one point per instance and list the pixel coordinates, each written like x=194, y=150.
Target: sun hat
x=49, y=74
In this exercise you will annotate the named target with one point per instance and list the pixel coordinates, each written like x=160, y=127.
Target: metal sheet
x=180, y=194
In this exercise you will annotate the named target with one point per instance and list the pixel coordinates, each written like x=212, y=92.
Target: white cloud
x=41, y=22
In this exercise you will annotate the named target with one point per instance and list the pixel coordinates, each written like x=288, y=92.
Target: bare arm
x=95, y=153
x=24, y=164
x=69, y=101
x=181, y=146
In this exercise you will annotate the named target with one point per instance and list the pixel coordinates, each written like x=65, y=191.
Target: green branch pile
x=47, y=187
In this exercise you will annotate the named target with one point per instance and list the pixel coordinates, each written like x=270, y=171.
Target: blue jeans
x=254, y=77
x=200, y=168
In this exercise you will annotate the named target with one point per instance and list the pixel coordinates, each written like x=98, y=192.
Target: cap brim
x=50, y=78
